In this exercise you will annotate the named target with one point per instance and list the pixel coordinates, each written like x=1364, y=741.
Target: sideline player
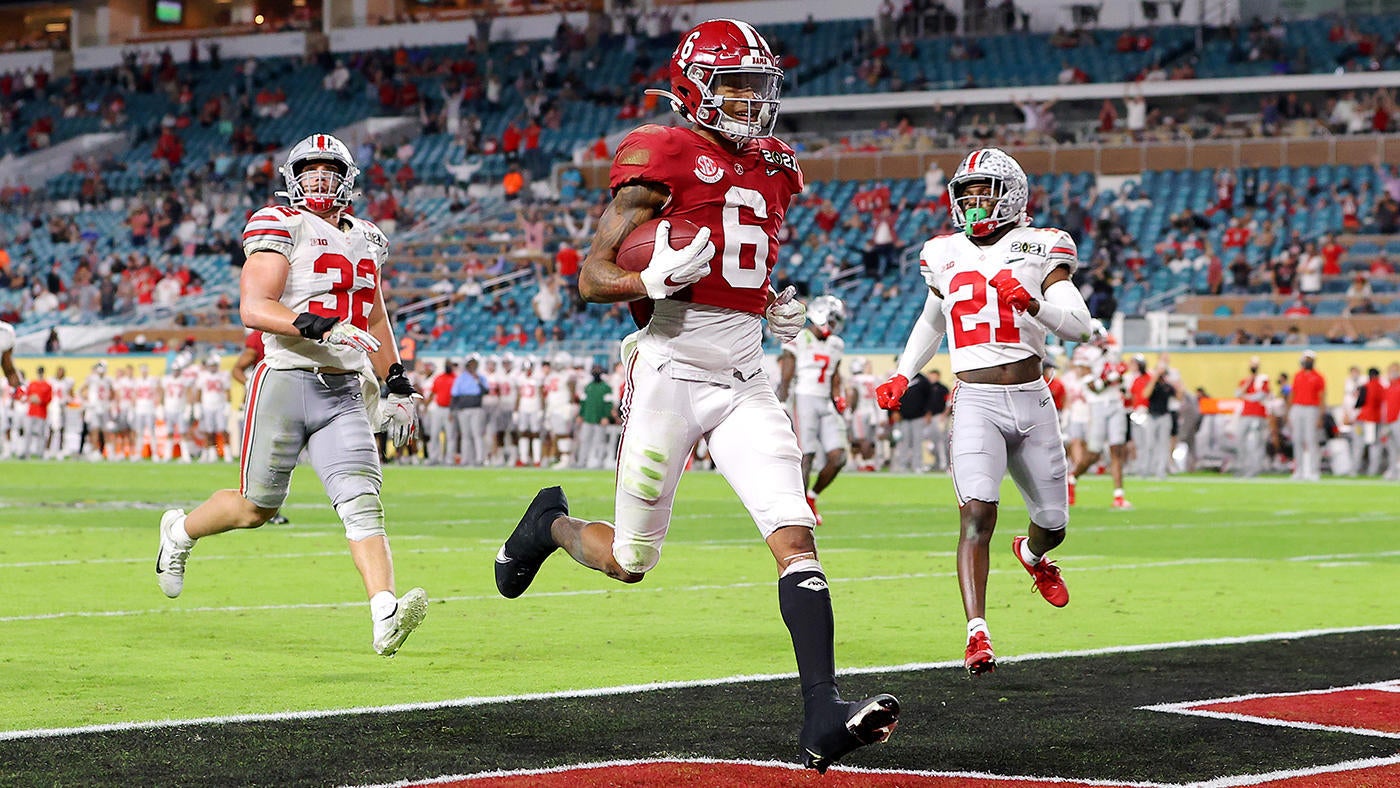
x=1102, y=367
x=867, y=421
x=324, y=327
x=696, y=368
x=1001, y=285
x=813, y=359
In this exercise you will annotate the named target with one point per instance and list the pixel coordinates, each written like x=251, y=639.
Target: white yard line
x=634, y=688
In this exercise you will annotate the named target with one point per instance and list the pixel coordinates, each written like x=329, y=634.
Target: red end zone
x=705, y=774
x=1357, y=709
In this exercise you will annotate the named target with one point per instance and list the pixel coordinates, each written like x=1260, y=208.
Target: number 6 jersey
x=983, y=331
x=742, y=197
x=334, y=273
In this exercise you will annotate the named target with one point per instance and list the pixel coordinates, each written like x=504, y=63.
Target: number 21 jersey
x=334, y=273
x=983, y=331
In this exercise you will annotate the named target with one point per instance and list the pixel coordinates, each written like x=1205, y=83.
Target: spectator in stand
x=1298, y=307
x=1332, y=253
x=1381, y=266
x=1310, y=268
x=118, y=346
x=513, y=183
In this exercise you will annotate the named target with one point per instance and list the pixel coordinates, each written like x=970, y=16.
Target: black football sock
x=805, y=602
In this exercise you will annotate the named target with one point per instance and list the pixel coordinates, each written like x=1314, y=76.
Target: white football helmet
x=319, y=191
x=859, y=365
x=7, y=336
x=1009, y=192
x=827, y=313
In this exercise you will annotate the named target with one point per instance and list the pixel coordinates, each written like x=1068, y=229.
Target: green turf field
x=274, y=620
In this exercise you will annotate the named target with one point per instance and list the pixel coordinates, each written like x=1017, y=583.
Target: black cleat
x=841, y=727
x=530, y=543
x=278, y=519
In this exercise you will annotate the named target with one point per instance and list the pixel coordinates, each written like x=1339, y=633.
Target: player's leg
x=757, y=453
x=977, y=452
x=832, y=436
x=342, y=449
x=656, y=442
x=273, y=436
x=1038, y=467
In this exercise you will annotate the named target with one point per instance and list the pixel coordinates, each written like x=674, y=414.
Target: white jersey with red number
x=99, y=391
x=983, y=331
x=529, y=385
x=558, y=391
x=334, y=272
x=172, y=389
x=144, y=394
x=865, y=385
x=125, y=393
x=213, y=388
x=817, y=360
x=502, y=383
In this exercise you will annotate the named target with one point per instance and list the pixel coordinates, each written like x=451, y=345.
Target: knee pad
x=636, y=557
x=1051, y=519
x=363, y=517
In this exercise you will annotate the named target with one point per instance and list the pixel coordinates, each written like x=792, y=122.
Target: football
x=636, y=249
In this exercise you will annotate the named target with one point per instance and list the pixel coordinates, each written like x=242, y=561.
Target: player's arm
x=7, y=363
x=1063, y=311
x=245, y=360
x=260, y=293
x=924, y=338
x=787, y=368
x=382, y=329
x=600, y=280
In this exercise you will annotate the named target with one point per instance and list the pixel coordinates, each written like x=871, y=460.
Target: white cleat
x=390, y=633
x=170, y=560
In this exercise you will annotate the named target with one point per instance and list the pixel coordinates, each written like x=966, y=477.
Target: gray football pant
x=1307, y=456
x=1251, y=447
x=471, y=427
x=36, y=435
x=592, y=449
x=441, y=433
x=1158, y=449
x=294, y=409
x=909, y=451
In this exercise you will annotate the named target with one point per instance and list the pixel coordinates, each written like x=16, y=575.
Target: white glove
x=786, y=315
x=398, y=418
x=672, y=270
x=344, y=334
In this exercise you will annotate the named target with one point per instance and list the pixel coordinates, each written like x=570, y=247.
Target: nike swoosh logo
x=1042, y=402
x=159, y=555
x=672, y=283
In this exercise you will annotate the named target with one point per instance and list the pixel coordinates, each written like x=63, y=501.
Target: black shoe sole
x=530, y=543
x=870, y=721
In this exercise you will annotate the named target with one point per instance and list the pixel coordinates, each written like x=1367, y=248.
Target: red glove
x=889, y=393
x=1011, y=291
x=840, y=403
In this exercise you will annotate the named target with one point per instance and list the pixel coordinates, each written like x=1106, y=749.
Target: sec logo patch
x=706, y=169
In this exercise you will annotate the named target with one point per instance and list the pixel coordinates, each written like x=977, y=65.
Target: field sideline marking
x=605, y=591
x=1238, y=781
x=285, y=716
x=1187, y=708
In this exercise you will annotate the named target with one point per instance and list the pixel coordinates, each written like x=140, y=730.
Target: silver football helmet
x=319, y=191
x=1009, y=194
x=827, y=313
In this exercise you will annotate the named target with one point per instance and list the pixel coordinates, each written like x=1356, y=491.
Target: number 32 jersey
x=983, y=331
x=334, y=273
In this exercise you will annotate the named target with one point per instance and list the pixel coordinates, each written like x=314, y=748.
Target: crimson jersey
x=742, y=197
x=254, y=342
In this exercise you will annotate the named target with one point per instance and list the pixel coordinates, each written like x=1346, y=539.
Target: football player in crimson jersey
x=311, y=285
x=696, y=367
x=998, y=288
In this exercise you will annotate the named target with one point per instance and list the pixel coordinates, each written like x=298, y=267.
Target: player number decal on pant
x=970, y=307
x=738, y=235
x=352, y=295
